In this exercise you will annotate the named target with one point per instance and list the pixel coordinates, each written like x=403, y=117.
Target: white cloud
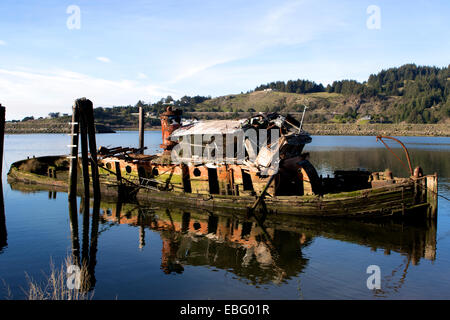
x=195, y=68
x=284, y=24
x=2, y=43
x=142, y=76
x=104, y=59
x=56, y=90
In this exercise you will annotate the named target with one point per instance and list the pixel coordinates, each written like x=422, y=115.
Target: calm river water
x=138, y=255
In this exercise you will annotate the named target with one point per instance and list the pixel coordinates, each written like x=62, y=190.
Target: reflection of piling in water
x=84, y=209
x=73, y=222
x=430, y=241
x=118, y=211
x=52, y=194
x=94, y=243
x=88, y=259
x=141, y=230
x=3, y=232
x=185, y=220
x=424, y=245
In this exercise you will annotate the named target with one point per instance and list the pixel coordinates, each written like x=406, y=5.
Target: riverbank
x=374, y=129
x=332, y=129
x=38, y=126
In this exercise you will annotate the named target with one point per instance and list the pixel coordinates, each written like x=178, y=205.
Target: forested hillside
x=421, y=93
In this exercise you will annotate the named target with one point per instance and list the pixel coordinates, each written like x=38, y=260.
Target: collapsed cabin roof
x=209, y=127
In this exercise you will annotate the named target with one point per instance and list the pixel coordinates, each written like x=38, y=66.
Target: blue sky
x=125, y=51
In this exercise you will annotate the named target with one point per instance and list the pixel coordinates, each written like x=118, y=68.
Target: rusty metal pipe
x=404, y=148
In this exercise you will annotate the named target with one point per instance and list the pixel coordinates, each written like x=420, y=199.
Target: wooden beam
x=2, y=135
x=92, y=147
x=141, y=130
x=84, y=149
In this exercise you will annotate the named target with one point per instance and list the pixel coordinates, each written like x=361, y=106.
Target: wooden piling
x=432, y=195
x=74, y=152
x=2, y=135
x=83, y=118
x=93, y=148
x=141, y=130
x=84, y=149
x=3, y=232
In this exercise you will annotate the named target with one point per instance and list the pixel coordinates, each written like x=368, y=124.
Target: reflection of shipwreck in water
x=226, y=242
x=257, y=251
x=267, y=252
x=237, y=165
x=263, y=251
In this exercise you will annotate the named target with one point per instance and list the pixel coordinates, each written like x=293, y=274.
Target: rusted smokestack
x=170, y=121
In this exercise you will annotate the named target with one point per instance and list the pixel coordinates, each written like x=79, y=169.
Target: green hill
x=322, y=106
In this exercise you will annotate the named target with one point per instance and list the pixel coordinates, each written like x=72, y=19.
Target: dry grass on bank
x=54, y=287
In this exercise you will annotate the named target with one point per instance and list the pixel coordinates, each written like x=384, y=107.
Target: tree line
x=423, y=91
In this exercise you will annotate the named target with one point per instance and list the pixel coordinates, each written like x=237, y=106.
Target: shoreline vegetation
x=331, y=129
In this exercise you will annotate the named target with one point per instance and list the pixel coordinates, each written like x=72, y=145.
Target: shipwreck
x=248, y=165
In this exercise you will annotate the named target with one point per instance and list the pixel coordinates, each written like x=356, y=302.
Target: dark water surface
x=178, y=253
